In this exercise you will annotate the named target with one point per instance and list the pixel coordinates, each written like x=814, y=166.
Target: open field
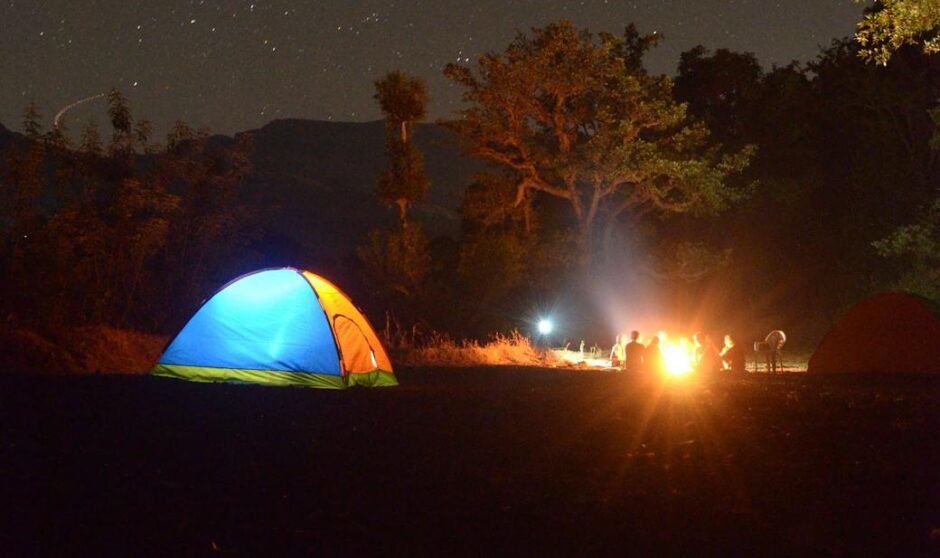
x=472, y=462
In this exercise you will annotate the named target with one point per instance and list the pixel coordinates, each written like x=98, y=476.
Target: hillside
x=7, y=137
x=350, y=155
x=321, y=176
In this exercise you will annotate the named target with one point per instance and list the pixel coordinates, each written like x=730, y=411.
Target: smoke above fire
x=625, y=296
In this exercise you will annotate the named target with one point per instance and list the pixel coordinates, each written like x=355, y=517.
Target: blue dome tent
x=282, y=327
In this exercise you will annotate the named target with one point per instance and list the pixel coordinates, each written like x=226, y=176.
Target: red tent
x=887, y=333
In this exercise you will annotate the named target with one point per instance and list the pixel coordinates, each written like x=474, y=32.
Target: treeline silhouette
x=838, y=201
x=122, y=231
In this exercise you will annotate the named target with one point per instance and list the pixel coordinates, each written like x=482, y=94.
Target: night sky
x=236, y=65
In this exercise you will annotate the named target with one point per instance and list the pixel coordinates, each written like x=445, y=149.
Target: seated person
x=707, y=360
x=616, y=353
x=653, y=357
x=732, y=356
x=633, y=353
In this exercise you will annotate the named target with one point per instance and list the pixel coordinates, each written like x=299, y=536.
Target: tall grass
x=441, y=350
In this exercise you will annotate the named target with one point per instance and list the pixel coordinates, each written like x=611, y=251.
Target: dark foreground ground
x=471, y=462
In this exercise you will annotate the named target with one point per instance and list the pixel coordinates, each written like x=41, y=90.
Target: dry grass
x=110, y=350
x=78, y=350
x=26, y=351
x=790, y=361
x=512, y=349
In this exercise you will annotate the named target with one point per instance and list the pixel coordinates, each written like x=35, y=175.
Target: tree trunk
x=609, y=225
x=402, y=212
x=403, y=202
x=527, y=212
x=585, y=241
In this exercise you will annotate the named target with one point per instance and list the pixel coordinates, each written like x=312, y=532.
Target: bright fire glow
x=678, y=356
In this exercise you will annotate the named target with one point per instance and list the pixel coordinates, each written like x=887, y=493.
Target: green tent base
x=376, y=378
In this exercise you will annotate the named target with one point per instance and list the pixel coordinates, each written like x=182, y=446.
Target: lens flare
x=545, y=326
x=678, y=356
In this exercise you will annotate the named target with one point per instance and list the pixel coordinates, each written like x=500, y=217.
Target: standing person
x=653, y=357
x=707, y=359
x=633, y=353
x=732, y=356
x=616, y=353
x=774, y=342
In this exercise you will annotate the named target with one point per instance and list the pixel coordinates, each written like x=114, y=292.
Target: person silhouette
x=633, y=353
x=616, y=353
x=653, y=357
x=707, y=359
x=732, y=356
x=774, y=343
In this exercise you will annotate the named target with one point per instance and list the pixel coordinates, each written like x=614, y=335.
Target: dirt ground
x=494, y=461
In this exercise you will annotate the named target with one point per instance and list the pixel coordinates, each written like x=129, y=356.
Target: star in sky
x=234, y=65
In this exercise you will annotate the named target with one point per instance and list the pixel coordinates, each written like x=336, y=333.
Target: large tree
x=918, y=245
x=891, y=24
x=844, y=160
x=577, y=117
x=887, y=27
x=721, y=89
x=403, y=100
x=397, y=260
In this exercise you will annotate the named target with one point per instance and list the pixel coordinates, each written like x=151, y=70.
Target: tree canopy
x=129, y=234
x=403, y=100
x=891, y=24
x=396, y=261
x=574, y=116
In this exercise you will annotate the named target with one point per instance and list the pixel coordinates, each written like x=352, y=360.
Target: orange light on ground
x=678, y=355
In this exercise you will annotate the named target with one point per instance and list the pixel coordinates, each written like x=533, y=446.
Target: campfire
x=678, y=355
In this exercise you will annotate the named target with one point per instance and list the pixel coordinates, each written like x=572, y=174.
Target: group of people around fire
x=630, y=355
